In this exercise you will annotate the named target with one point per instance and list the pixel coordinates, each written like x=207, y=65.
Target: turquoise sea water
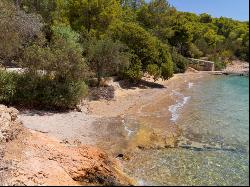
x=214, y=148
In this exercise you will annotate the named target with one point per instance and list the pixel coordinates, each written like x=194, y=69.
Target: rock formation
x=33, y=158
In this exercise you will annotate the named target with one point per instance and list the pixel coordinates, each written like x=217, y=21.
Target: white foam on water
x=190, y=85
x=174, y=109
x=126, y=128
x=141, y=182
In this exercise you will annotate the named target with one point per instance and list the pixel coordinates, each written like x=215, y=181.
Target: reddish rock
x=36, y=159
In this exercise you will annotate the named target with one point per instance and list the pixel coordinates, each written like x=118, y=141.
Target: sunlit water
x=214, y=145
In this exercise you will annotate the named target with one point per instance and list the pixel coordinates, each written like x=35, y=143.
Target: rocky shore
x=33, y=158
x=236, y=67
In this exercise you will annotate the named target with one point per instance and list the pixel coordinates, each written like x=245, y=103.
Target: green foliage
x=139, y=41
x=55, y=73
x=17, y=30
x=40, y=91
x=134, y=71
x=180, y=62
x=155, y=18
x=62, y=42
x=205, y=18
x=94, y=15
x=42, y=7
x=166, y=62
x=106, y=57
x=7, y=86
x=147, y=48
x=212, y=38
x=219, y=62
x=226, y=54
x=62, y=58
x=166, y=70
x=194, y=35
x=218, y=65
x=154, y=71
x=194, y=51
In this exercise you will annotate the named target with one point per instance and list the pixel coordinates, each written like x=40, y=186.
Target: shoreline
x=120, y=126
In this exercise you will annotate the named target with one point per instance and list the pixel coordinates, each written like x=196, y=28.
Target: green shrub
x=194, y=51
x=62, y=57
x=54, y=76
x=180, y=62
x=17, y=30
x=106, y=57
x=165, y=61
x=154, y=71
x=34, y=90
x=133, y=72
x=219, y=63
x=146, y=47
x=141, y=43
x=8, y=86
x=166, y=70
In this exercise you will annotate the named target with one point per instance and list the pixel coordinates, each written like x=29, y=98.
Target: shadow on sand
x=142, y=84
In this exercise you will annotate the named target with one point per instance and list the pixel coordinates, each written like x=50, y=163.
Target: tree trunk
x=99, y=73
x=99, y=80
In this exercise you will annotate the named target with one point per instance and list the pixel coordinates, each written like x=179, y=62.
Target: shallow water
x=214, y=145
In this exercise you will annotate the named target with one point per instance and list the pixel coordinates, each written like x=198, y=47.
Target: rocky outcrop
x=34, y=158
x=9, y=125
x=9, y=129
x=237, y=67
x=191, y=70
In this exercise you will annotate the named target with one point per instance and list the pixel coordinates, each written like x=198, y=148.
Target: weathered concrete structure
x=201, y=65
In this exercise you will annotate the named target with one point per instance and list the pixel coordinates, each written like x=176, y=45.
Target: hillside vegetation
x=62, y=44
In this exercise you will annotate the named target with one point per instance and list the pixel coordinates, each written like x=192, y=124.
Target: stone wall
x=201, y=65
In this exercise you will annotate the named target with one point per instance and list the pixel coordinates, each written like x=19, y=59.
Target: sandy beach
x=140, y=118
x=133, y=111
x=71, y=144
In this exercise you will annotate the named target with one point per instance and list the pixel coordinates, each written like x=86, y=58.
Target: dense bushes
x=219, y=62
x=62, y=43
x=146, y=49
x=62, y=57
x=180, y=62
x=54, y=73
x=17, y=30
x=106, y=57
x=8, y=86
x=40, y=91
x=154, y=71
x=140, y=42
x=134, y=71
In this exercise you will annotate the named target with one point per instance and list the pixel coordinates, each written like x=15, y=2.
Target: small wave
x=126, y=128
x=190, y=85
x=175, y=108
x=141, y=182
